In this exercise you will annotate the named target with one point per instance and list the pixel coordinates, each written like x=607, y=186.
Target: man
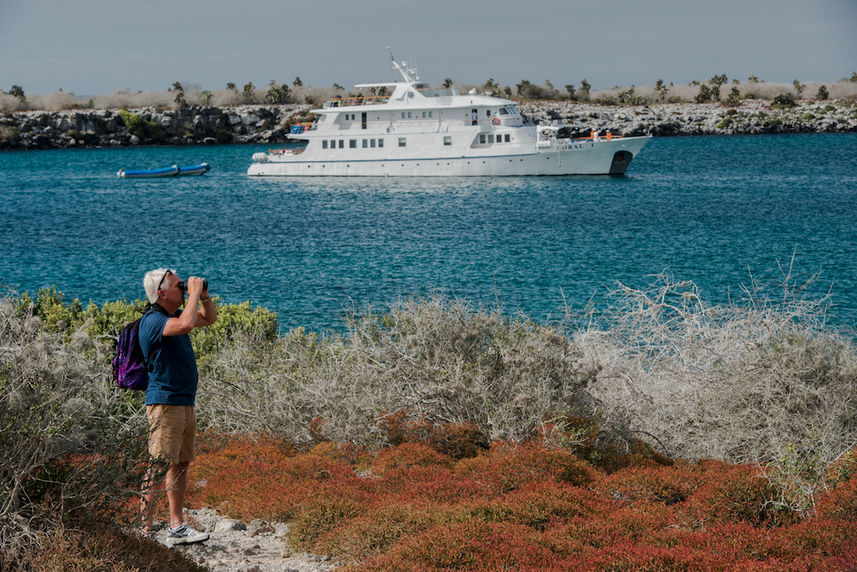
x=171, y=394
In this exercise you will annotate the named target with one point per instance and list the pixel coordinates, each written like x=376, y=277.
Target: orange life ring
x=496, y=121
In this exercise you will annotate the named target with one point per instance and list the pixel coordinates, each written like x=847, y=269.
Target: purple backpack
x=130, y=368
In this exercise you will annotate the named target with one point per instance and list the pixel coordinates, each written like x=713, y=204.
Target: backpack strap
x=149, y=309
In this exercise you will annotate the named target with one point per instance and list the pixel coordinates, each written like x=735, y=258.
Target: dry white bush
x=754, y=381
x=56, y=400
x=10, y=103
x=119, y=99
x=56, y=101
x=436, y=358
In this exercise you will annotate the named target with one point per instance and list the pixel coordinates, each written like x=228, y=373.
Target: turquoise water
x=707, y=209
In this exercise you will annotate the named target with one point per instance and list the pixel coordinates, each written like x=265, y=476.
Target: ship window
x=380, y=142
x=365, y=143
x=503, y=111
x=352, y=143
x=487, y=113
x=507, y=137
x=482, y=139
x=402, y=141
x=447, y=140
x=324, y=144
x=410, y=116
x=372, y=143
x=491, y=138
x=342, y=143
x=430, y=113
x=403, y=115
x=499, y=138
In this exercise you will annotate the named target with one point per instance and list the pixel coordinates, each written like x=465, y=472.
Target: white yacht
x=413, y=129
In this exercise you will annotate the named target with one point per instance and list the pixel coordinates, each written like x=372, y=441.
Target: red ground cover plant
x=469, y=545
x=536, y=504
x=737, y=493
x=457, y=440
x=258, y=478
x=666, y=484
x=522, y=506
x=841, y=502
x=507, y=466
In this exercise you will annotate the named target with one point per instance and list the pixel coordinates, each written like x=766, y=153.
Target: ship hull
x=563, y=157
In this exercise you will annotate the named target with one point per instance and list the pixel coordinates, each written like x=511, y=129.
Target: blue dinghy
x=148, y=173
x=200, y=169
x=173, y=171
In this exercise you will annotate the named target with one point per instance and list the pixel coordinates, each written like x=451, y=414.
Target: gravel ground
x=235, y=546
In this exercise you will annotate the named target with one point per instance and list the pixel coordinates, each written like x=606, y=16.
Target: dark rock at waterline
x=269, y=124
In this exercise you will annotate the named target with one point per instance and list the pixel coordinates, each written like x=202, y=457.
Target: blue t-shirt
x=173, y=376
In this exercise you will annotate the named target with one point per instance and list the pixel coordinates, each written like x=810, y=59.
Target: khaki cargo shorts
x=172, y=432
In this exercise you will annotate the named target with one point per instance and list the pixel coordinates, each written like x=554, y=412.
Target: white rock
x=228, y=524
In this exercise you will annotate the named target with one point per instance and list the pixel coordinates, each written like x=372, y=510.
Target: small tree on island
x=716, y=82
x=277, y=94
x=661, y=90
x=704, y=94
x=734, y=98
x=822, y=94
x=18, y=91
x=249, y=92
x=179, y=98
x=569, y=87
x=583, y=92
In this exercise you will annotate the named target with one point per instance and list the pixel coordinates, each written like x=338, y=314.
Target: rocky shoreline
x=269, y=124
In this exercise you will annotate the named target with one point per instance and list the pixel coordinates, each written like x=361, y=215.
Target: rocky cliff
x=147, y=126
x=270, y=123
x=751, y=117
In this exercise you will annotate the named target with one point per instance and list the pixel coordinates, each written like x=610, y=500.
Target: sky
x=95, y=47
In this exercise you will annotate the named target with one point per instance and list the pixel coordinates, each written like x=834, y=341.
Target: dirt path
x=235, y=546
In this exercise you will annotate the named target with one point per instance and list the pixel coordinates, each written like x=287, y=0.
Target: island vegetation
x=717, y=89
x=190, y=115
x=661, y=433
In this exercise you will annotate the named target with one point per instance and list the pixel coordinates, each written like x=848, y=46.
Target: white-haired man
x=171, y=394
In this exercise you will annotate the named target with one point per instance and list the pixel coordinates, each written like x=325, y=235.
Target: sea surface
x=720, y=211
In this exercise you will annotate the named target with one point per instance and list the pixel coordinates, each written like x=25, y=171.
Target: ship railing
x=356, y=101
x=608, y=137
x=298, y=128
x=284, y=151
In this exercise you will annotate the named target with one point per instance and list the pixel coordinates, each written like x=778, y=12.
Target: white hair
x=152, y=280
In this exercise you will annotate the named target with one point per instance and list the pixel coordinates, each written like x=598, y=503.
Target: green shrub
x=784, y=100
x=147, y=131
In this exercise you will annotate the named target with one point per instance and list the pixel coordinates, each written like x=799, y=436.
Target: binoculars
x=182, y=285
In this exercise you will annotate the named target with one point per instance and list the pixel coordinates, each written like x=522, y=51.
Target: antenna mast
x=409, y=74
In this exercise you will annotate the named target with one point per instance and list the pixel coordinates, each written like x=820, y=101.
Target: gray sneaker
x=185, y=534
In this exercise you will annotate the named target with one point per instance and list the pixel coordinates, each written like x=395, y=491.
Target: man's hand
x=194, y=286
